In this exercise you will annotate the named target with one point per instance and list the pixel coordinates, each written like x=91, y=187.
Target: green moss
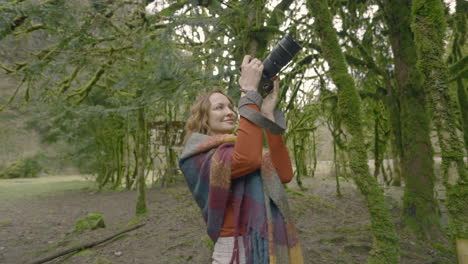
x=90, y=222
x=432, y=10
x=444, y=250
x=85, y=252
x=457, y=206
x=135, y=221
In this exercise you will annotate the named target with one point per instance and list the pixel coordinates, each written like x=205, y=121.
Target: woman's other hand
x=270, y=101
x=251, y=73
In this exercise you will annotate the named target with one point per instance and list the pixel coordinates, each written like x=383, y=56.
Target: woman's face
x=221, y=117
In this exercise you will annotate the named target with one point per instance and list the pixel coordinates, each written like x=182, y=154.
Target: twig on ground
x=83, y=246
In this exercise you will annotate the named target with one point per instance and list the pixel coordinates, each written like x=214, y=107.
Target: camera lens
x=280, y=56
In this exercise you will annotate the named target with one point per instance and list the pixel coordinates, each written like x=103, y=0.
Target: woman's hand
x=270, y=101
x=251, y=73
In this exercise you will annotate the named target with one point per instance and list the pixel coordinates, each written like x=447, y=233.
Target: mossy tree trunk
x=381, y=137
x=456, y=57
x=390, y=98
x=463, y=102
x=429, y=32
x=314, y=154
x=142, y=150
x=300, y=140
x=386, y=248
x=392, y=101
x=420, y=209
x=337, y=167
x=376, y=145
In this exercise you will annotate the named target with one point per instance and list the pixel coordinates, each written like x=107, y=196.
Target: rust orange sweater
x=247, y=157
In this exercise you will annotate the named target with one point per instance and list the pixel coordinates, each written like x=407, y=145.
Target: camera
x=281, y=55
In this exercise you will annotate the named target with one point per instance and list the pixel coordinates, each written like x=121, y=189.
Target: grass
x=23, y=189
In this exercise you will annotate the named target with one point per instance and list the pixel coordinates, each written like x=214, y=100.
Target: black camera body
x=281, y=55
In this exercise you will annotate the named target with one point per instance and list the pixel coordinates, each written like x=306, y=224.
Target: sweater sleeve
x=280, y=157
x=247, y=155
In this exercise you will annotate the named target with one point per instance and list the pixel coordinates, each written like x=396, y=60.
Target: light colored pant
x=223, y=250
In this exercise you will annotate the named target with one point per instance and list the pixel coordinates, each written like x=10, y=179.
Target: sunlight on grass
x=16, y=189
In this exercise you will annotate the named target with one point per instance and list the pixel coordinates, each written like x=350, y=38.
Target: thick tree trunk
x=429, y=32
x=420, y=210
x=386, y=248
x=459, y=43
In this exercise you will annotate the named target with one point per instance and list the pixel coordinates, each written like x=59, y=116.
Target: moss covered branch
x=66, y=83
x=170, y=10
x=85, y=90
x=7, y=70
x=17, y=22
x=30, y=29
x=278, y=14
x=13, y=96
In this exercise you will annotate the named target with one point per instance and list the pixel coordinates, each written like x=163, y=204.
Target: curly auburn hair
x=199, y=114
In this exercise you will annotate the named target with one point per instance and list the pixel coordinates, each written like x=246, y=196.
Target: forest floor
x=331, y=229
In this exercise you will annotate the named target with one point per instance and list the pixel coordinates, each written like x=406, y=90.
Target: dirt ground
x=331, y=229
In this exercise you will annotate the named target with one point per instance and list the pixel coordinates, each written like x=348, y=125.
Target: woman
x=238, y=189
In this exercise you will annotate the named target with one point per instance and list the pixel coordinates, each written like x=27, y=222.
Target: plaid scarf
x=259, y=200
